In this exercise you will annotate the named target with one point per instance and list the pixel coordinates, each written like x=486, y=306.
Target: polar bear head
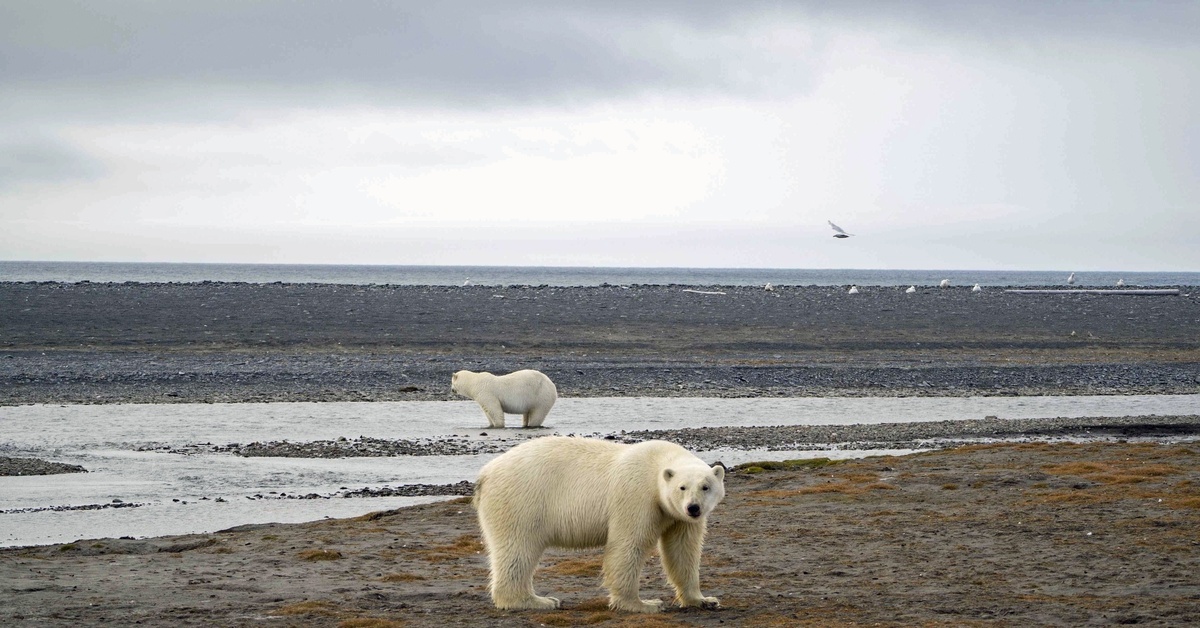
x=460, y=383
x=689, y=492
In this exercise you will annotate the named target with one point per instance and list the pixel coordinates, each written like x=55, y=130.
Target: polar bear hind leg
x=535, y=416
x=512, y=566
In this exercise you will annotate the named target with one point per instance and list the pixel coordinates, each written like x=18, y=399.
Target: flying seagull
x=841, y=233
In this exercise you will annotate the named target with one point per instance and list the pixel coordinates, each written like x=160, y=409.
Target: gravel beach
x=235, y=342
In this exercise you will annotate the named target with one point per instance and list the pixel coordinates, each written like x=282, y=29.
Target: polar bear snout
x=693, y=510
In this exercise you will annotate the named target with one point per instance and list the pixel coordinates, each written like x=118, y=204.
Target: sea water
x=562, y=276
x=125, y=447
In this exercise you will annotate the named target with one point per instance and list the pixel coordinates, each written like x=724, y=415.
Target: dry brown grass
x=320, y=554
x=967, y=449
x=565, y=618
x=648, y=621
x=1185, y=502
x=312, y=609
x=584, y=566
x=591, y=611
x=401, y=577
x=845, y=484
x=1139, y=475
x=371, y=516
x=785, y=465
x=322, y=608
x=1127, y=471
x=463, y=546
x=370, y=622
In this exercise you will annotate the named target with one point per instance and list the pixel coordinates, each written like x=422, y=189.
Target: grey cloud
x=454, y=51
x=43, y=160
x=474, y=53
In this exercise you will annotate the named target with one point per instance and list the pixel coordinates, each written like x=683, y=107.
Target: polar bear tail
x=477, y=492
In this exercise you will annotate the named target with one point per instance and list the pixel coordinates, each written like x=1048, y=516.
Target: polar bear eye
x=683, y=488
x=704, y=488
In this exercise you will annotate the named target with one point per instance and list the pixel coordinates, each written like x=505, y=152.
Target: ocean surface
x=126, y=450
x=563, y=276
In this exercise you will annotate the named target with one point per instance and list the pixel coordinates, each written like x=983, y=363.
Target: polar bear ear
x=668, y=474
x=719, y=471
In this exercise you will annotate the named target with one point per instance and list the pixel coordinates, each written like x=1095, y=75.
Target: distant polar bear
x=571, y=492
x=528, y=392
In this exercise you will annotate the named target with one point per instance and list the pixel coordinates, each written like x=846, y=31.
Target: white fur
x=529, y=393
x=581, y=492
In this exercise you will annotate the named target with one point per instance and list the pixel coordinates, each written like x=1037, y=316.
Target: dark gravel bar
x=240, y=342
x=34, y=466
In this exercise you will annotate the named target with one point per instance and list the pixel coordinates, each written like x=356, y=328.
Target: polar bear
x=528, y=392
x=571, y=492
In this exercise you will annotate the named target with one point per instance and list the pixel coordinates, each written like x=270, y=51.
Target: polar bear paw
x=637, y=606
x=546, y=603
x=708, y=603
x=533, y=602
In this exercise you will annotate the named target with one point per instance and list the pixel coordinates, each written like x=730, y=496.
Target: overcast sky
x=943, y=134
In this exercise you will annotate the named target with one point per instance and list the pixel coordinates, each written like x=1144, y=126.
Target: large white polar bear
x=571, y=492
x=528, y=392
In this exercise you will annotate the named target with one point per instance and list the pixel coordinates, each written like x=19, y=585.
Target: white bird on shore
x=911, y=289
x=841, y=233
x=945, y=283
x=976, y=288
x=1071, y=279
x=1120, y=282
x=853, y=290
x=769, y=287
x=467, y=282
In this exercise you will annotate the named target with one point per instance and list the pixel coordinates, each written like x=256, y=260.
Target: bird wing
x=835, y=227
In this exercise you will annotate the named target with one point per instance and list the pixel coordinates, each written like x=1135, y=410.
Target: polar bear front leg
x=495, y=413
x=623, y=562
x=680, y=548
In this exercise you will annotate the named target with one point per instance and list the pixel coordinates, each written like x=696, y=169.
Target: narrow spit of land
x=235, y=342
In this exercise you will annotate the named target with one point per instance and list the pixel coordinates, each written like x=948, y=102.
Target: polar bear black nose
x=693, y=510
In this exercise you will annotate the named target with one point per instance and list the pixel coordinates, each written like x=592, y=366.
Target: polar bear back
x=518, y=392
x=572, y=486
x=560, y=481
